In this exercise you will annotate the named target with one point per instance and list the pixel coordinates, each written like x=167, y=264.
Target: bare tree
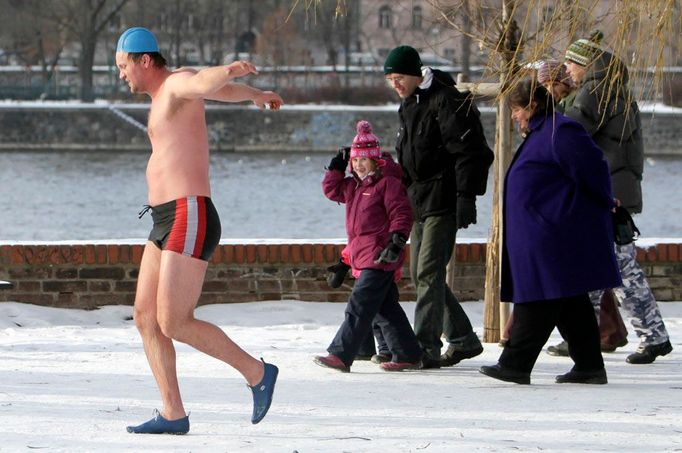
x=33, y=37
x=86, y=19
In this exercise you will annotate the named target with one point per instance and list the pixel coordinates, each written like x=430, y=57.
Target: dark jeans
x=375, y=298
x=534, y=322
x=438, y=310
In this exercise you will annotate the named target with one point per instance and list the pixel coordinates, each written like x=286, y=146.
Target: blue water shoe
x=159, y=425
x=262, y=392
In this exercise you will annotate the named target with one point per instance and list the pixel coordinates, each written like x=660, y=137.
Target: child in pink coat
x=378, y=222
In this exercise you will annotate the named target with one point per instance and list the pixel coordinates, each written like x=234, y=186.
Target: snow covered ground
x=72, y=380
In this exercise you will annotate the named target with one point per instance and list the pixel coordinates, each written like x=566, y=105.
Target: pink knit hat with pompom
x=366, y=144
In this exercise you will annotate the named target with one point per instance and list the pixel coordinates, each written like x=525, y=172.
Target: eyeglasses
x=394, y=80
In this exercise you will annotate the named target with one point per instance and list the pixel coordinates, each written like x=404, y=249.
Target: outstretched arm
x=215, y=83
x=238, y=92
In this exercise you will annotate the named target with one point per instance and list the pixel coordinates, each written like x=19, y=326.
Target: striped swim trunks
x=189, y=226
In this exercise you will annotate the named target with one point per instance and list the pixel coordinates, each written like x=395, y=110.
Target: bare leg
x=158, y=347
x=180, y=281
x=168, y=290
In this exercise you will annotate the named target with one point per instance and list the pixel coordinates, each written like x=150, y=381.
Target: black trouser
x=534, y=322
x=375, y=298
x=367, y=347
x=438, y=310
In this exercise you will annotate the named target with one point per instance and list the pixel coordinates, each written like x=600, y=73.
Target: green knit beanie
x=403, y=60
x=584, y=51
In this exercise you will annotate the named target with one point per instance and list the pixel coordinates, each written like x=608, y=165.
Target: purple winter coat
x=375, y=207
x=557, y=233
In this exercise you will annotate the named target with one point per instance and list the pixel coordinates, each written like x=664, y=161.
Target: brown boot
x=611, y=326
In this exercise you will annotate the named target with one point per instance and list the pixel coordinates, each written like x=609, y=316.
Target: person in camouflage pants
x=638, y=301
x=604, y=105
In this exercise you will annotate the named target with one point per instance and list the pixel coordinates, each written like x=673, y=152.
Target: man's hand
x=392, y=251
x=340, y=161
x=268, y=100
x=466, y=210
x=240, y=69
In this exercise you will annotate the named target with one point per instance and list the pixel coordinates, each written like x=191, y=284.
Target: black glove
x=466, y=210
x=340, y=161
x=392, y=251
x=624, y=229
x=337, y=273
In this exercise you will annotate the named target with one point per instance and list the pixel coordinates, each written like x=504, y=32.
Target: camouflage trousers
x=636, y=298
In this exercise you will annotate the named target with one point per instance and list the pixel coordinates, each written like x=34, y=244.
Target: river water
x=51, y=196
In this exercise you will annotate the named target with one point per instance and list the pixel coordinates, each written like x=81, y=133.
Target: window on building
x=449, y=54
x=385, y=14
x=417, y=17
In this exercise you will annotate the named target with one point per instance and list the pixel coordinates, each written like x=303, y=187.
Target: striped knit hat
x=553, y=71
x=584, y=51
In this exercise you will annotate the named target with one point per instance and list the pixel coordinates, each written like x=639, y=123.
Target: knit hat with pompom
x=366, y=144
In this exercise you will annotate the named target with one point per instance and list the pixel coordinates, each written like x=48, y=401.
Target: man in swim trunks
x=186, y=225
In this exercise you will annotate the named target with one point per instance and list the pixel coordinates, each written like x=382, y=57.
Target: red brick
x=228, y=253
x=475, y=250
x=101, y=254
x=284, y=255
x=124, y=254
x=136, y=253
x=239, y=254
x=113, y=252
x=89, y=254
x=307, y=250
x=262, y=253
x=75, y=255
x=217, y=255
x=330, y=254
x=18, y=255
x=296, y=253
x=673, y=254
x=5, y=254
x=250, y=251
x=273, y=254
x=55, y=255
x=462, y=254
x=662, y=252
x=651, y=254
x=318, y=253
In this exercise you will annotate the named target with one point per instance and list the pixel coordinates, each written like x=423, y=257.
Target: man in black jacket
x=445, y=158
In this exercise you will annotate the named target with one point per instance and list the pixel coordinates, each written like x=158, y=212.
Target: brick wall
x=89, y=275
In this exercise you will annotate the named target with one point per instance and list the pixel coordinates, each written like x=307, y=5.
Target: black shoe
x=429, y=364
x=583, y=377
x=364, y=357
x=380, y=358
x=560, y=349
x=647, y=354
x=505, y=374
x=455, y=354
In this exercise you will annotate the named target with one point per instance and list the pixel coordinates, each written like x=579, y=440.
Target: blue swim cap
x=137, y=40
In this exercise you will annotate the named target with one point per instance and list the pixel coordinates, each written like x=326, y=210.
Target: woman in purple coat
x=378, y=222
x=557, y=240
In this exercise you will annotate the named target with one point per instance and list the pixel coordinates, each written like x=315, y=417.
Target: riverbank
x=102, y=126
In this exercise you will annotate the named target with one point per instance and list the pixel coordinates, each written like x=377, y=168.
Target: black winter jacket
x=604, y=106
x=441, y=147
